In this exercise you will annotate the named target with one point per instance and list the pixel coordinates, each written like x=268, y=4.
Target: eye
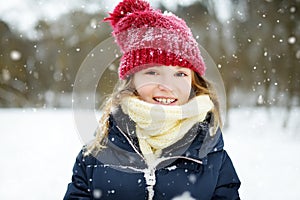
x=181, y=74
x=151, y=73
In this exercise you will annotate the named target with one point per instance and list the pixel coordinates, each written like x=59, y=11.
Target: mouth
x=164, y=100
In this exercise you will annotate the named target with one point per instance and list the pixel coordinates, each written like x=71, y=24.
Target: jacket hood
x=122, y=149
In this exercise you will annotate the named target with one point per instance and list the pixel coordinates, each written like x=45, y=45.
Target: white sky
x=22, y=15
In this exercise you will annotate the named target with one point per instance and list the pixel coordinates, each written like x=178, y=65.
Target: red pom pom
x=126, y=7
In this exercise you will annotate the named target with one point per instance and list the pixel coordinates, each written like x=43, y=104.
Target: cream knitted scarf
x=159, y=126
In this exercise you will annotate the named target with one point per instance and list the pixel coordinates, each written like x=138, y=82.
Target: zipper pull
x=150, y=177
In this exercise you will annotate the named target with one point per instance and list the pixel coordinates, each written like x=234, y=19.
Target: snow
x=38, y=149
x=264, y=153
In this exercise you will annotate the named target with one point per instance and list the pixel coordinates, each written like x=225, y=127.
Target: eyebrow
x=180, y=68
x=176, y=67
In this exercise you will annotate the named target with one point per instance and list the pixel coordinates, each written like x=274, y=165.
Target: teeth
x=165, y=101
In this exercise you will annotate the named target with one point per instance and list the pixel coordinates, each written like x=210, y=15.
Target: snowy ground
x=38, y=149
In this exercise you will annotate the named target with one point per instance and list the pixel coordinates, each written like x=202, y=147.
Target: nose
x=165, y=84
x=164, y=87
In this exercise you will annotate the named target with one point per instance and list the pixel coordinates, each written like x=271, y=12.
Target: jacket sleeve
x=78, y=189
x=228, y=181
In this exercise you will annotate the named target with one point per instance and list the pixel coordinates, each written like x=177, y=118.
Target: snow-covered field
x=38, y=149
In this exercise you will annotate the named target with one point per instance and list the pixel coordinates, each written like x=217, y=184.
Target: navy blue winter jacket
x=201, y=170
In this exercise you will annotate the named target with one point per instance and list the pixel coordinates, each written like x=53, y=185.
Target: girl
x=160, y=133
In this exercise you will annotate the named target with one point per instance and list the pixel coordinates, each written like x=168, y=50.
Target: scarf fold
x=159, y=126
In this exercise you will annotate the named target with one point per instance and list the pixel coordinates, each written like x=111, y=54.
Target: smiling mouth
x=165, y=101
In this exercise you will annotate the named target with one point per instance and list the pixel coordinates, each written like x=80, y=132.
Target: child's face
x=166, y=85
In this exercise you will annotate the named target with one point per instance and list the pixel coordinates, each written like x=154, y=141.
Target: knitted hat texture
x=148, y=37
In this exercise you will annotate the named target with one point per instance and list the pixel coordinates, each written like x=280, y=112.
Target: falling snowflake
x=192, y=178
x=15, y=55
x=97, y=194
x=292, y=40
x=260, y=100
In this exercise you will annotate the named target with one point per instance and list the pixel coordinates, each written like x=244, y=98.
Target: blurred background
x=255, y=45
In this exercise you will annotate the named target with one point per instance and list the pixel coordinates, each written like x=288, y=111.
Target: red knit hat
x=147, y=37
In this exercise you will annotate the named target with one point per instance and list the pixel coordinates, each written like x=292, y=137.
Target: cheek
x=184, y=86
x=184, y=90
x=145, y=91
x=185, y=93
